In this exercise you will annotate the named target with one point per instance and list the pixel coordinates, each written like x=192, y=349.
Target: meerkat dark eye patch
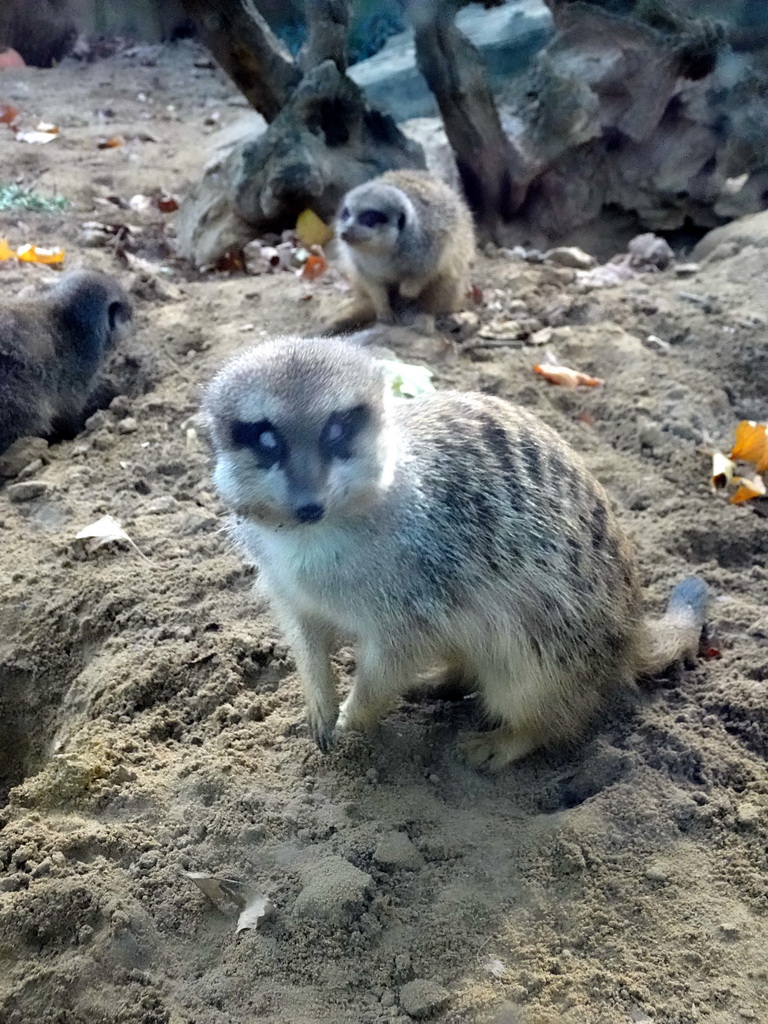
x=340, y=431
x=372, y=218
x=401, y=222
x=262, y=438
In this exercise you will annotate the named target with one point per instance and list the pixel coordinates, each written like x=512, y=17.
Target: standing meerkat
x=52, y=346
x=407, y=242
x=451, y=529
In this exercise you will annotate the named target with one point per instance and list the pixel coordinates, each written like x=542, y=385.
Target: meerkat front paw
x=322, y=727
x=496, y=749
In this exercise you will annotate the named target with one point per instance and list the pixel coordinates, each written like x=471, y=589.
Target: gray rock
x=571, y=256
x=334, y=892
x=507, y=38
x=397, y=851
x=27, y=491
x=422, y=998
x=20, y=454
x=752, y=230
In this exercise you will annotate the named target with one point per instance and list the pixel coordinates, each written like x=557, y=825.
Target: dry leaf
x=8, y=113
x=752, y=444
x=315, y=265
x=566, y=377
x=258, y=909
x=112, y=142
x=167, y=203
x=723, y=469
x=6, y=252
x=222, y=892
x=231, y=262
x=749, y=487
x=312, y=230
x=106, y=530
x=33, y=254
x=37, y=137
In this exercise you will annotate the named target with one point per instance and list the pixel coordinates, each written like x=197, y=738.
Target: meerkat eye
x=262, y=438
x=372, y=218
x=340, y=431
x=345, y=213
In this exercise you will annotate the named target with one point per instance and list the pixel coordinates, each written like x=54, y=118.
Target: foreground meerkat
x=451, y=529
x=406, y=240
x=52, y=345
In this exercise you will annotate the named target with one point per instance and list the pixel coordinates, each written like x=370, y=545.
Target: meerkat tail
x=675, y=636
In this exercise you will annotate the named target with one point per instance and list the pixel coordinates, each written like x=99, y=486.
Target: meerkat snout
x=372, y=219
x=289, y=461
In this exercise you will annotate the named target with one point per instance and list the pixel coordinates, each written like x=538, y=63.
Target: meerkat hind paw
x=495, y=749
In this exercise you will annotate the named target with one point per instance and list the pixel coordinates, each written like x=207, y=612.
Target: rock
x=421, y=998
x=656, y=873
x=751, y=230
x=571, y=256
x=334, y=892
x=507, y=37
x=27, y=491
x=650, y=250
x=748, y=815
x=397, y=851
x=20, y=454
x=34, y=467
x=127, y=426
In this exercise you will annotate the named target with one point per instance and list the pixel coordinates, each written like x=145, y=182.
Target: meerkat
x=407, y=241
x=52, y=345
x=451, y=530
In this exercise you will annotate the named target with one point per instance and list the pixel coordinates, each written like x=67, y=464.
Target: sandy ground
x=151, y=722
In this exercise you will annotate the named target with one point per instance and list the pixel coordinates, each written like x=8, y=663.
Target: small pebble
x=127, y=426
x=422, y=998
x=397, y=851
x=747, y=814
x=657, y=344
x=27, y=491
x=656, y=873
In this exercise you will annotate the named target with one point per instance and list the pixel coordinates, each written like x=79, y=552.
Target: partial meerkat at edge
x=452, y=530
x=407, y=241
x=52, y=346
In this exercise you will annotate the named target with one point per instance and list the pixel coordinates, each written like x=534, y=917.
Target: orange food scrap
x=315, y=266
x=6, y=252
x=31, y=254
x=749, y=487
x=565, y=376
x=752, y=444
x=112, y=142
x=10, y=59
x=8, y=113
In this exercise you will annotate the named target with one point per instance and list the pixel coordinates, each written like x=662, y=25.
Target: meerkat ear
x=118, y=313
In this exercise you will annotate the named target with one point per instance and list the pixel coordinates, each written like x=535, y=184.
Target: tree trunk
x=491, y=172
x=248, y=50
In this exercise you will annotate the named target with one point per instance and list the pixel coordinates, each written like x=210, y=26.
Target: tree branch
x=248, y=50
x=490, y=170
x=328, y=24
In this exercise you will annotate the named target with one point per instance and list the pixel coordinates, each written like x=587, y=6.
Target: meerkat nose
x=312, y=513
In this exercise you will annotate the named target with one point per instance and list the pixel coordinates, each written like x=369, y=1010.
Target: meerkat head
x=373, y=216
x=297, y=427
x=92, y=313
